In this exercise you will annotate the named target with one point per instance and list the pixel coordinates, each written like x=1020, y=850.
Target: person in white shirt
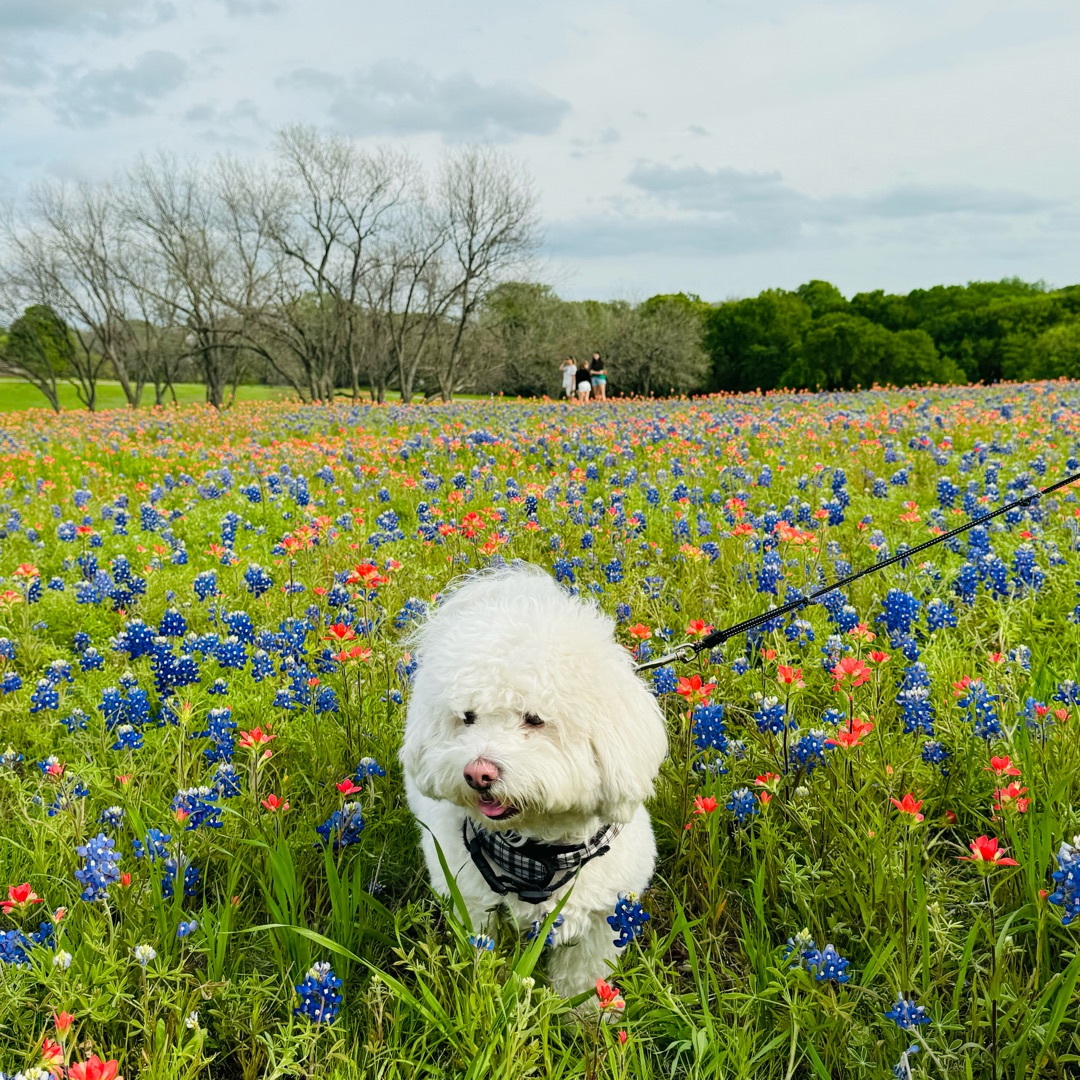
x=569, y=372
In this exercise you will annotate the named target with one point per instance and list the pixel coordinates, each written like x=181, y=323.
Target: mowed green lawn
x=15, y=394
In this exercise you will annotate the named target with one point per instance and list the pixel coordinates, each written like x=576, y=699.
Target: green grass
x=17, y=395
x=711, y=992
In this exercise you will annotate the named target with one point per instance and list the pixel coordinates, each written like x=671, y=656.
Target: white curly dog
x=530, y=746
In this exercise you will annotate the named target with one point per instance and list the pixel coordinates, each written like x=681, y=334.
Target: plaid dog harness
x=533, y=870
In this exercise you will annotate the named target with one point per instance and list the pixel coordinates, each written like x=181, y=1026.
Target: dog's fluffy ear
x=629, y=739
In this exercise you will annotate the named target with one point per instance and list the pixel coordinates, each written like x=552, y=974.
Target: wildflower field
x=865, y=822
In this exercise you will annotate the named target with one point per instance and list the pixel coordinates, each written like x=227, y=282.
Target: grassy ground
x=859, y=822
x=15, y=395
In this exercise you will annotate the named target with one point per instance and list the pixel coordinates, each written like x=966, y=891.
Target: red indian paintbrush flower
x=339, y=632
x=693, y=690
x=256, y=737
x=1002, y=766
x=704, y=804
x=21, y=897
x=610, y=996
x=790, y=676
x=1011, y=796
x=853, y=669
x=95, y=1069
x=985, y=851
x=908, y=805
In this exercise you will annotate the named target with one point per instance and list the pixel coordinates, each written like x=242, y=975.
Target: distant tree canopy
x=813, y=337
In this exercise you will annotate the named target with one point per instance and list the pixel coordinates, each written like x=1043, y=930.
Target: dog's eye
x=469, y=718
x=533, y=720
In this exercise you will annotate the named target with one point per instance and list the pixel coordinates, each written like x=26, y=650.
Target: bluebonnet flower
x=144, y=954
x=917, y=711
x=982, y=713
x=257, y=580
x=218, y=687
x=320, y=1000
x=906, y=1014
x=1067, y=876
x=933, y=753
x=799, y=947
x=113, y=816
x=769, y=573
x=482, y=943
x=708, y=728
x=967, y=583
x=833, y=716
x=628, y=920
x=76, y=720
x=665, y=680
x=59, y=671
x=902, y=1069
x=344, y=825
x=186, y=929
x=45, y=696
x=173, y=624
x=1026, y=574
x=743, y=804
x=939, y=615
x=231, y=653
x=205, y=584
x=91, y=659
x=1067, y=692
x=127, y=738
x=154, y=846
x=537, y=926
x=100, y=869
x=11, y=682
x=369, y=767
x=901, y=609
x=262, y=666
x=226, y=780
x=191, y=877
x=828, y=965
x=770, y=716
x=197, y=807
x=740, y=665
x=808, y=752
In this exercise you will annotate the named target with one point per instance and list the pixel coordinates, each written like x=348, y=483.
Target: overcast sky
x=713, y=146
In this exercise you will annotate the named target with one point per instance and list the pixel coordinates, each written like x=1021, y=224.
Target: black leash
x=688, y=650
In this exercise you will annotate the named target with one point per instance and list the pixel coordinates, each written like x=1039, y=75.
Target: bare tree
x=409, y=289
x=204, y=267
x=491, y=227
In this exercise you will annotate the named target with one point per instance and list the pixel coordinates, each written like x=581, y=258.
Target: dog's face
x=526, y=712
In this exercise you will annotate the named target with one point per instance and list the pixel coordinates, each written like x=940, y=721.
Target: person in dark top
x=584, y=383
x=598, y=377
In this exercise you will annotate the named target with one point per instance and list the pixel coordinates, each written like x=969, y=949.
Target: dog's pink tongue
x=492, y=808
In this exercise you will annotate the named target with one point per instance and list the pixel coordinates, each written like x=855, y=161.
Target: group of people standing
x=584, y=379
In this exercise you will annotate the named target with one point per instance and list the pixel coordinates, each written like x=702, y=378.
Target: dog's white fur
x=501, y=645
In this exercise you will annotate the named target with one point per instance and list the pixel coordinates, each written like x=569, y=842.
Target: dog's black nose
x=481, y=774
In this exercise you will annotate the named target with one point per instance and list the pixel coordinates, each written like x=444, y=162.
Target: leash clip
x=680, y=654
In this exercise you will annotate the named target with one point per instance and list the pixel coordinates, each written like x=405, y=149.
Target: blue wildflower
x=907, y=1015
x=320, y=1000
x=100, y=868
x=743, y=804
x=628, y=920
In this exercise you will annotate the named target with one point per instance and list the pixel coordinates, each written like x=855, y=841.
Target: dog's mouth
x=490, y=807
